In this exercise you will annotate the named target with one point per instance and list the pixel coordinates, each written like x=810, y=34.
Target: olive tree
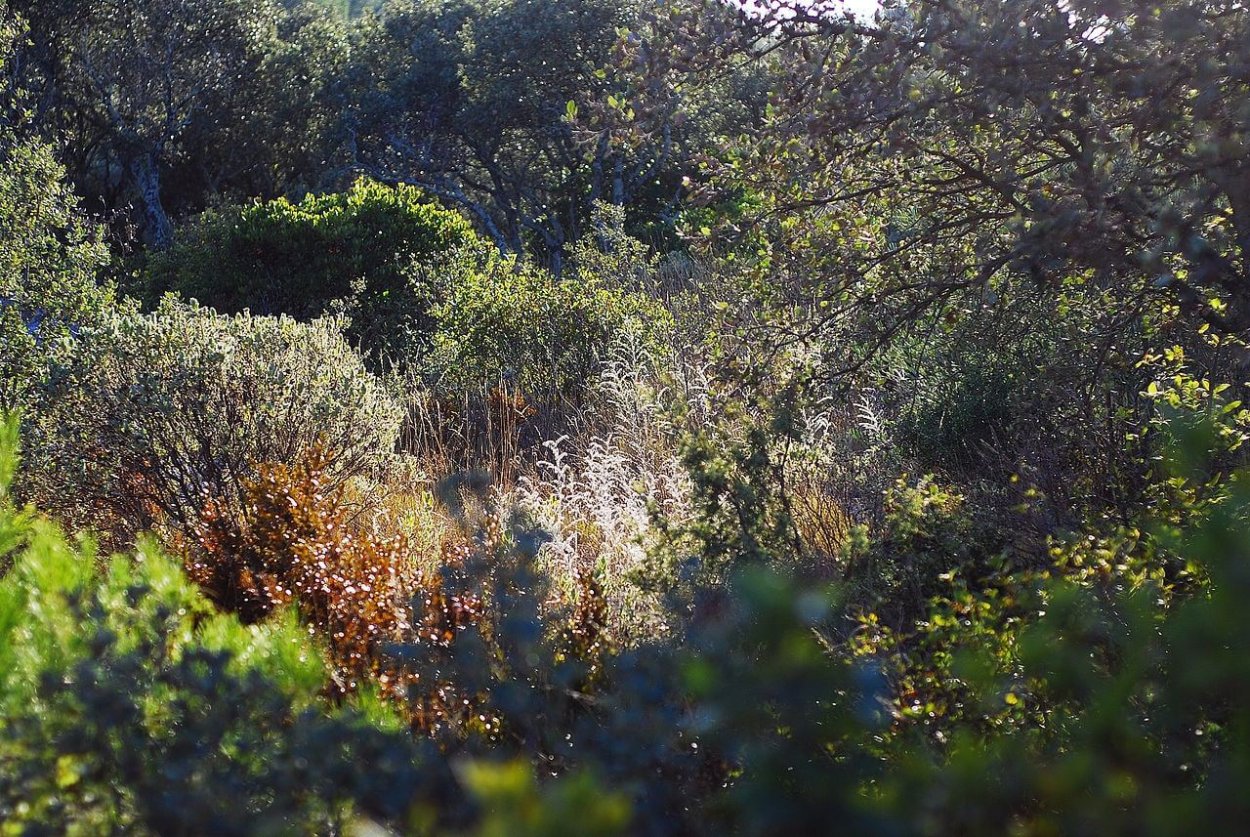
x=166, y=104
x=948, y=154
x=517, y=113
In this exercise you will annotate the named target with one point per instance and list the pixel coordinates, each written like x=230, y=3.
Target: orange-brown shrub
x=295, y=544
x=382, y=619
x=584, y=636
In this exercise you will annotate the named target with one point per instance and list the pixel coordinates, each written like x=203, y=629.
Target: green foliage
x=740, y=517
x=279, y=139
x=1099, y=699
x=343, y=8
x=127, y=705
x=1130, y=712
x=50, y=256
x=926, y=536
x=355, y=252
x=163, y=412
x=950, y=417
x=940, y=423
x=469, y=102
x=153, y=80
x=505, y=323
x=516, y=804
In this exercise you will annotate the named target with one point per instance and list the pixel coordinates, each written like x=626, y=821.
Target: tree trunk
x=147, y=178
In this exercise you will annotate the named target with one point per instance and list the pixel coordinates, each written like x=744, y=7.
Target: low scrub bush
x=928, y=533
x=513, y=323
x=517, y=351
x=162, y=413
x=510, y=324
x=515, y=360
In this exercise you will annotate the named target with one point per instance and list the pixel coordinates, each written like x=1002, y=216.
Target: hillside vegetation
x=579, y=417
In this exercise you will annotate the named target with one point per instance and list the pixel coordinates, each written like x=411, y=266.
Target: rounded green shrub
x=352, y=252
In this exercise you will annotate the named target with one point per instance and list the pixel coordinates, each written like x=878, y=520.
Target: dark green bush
x=355, y=251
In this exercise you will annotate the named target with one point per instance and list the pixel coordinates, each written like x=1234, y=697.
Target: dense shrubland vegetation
x=584, y=417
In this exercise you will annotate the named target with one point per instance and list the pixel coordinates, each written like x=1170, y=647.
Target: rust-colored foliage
x=294, y=543
x=584, y=636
